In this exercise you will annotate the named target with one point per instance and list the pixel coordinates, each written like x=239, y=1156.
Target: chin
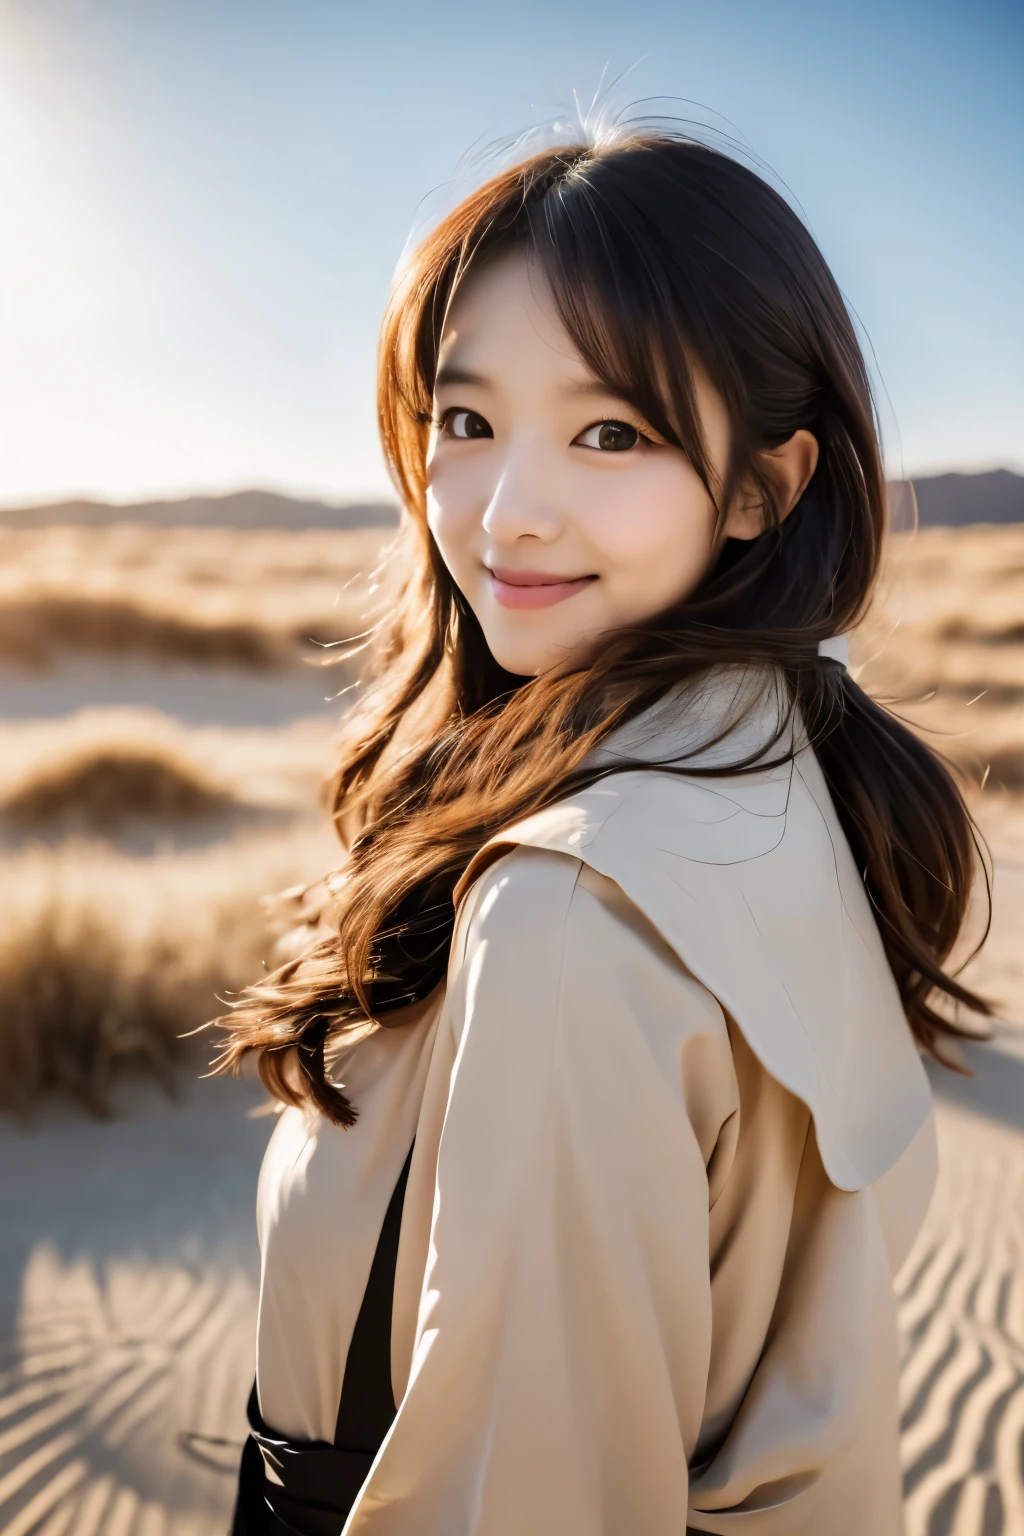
x=531, y=661
x=532, y=646
x=515, y=656
x=519, y=663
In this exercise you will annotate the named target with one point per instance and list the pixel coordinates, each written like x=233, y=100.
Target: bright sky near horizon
x=202, y=203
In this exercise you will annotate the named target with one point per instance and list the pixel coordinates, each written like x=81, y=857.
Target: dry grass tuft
x=79, y=1008
x=274, y=768
x=104, y=787
x=1005, y=767
x=34, y=631
x=199, y=596
x=106, y=962
x=945, y=644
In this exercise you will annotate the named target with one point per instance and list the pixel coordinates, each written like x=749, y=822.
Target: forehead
x=503, y=318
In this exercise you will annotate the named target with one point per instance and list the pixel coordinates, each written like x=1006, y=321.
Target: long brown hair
x=659, y=253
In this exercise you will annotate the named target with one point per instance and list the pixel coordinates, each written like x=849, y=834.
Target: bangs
x=622, y=296
x=623, y=304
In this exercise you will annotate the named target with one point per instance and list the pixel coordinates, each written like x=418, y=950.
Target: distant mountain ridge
x=953, y=500
x=240, y=509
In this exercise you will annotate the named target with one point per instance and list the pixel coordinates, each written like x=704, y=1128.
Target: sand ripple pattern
x=106, y=1370
x=103, y=1376
x=962, y=1321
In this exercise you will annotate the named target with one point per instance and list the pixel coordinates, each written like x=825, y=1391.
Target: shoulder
x=535, y=905
x=749, y=880
x=518, y=899
x=553, y=958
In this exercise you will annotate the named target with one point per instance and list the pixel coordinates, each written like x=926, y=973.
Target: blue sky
x=202, y=203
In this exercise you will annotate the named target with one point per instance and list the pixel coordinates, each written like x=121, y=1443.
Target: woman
x=607, y=1122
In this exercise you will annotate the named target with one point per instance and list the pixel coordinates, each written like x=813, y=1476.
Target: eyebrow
x=594, y=387
x=448, y=376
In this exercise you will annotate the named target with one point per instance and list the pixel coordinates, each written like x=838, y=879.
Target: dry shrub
x=79, y=1008
x=199, y=596
x=944, y=644
x=35, y=631
x=984, y=634
x=192, y=768
x=1006, y=768
x=107, y=962
x=102, y=787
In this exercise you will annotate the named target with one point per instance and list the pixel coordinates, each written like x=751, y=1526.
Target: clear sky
x=202, y=203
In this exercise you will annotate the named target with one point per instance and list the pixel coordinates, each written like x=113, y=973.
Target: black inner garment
x=320, y=1482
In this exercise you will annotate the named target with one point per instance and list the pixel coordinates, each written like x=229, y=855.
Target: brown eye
x=610, y=436
x=466, y=424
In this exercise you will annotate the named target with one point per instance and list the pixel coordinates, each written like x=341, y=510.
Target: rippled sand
x=127, y=1324
x=962, y=1319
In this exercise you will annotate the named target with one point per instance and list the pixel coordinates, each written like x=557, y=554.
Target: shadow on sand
x=996, y=1089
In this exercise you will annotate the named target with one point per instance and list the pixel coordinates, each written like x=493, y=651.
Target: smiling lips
x=533, y=589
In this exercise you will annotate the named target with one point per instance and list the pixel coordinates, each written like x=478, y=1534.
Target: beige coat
x=672, y=1139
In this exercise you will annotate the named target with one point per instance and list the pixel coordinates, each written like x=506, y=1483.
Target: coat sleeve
x=562, y=1351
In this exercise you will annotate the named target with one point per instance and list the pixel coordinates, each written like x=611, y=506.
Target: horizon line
x=376, y=496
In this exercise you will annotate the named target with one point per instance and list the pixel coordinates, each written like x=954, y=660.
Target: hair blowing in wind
x=660, y=254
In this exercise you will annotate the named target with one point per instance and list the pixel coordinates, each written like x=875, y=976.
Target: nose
x=518, y=507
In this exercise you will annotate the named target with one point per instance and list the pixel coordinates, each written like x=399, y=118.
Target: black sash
x=320, y=1482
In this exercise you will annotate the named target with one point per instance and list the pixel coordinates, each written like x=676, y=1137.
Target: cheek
x=655, y=532
x=456, y=495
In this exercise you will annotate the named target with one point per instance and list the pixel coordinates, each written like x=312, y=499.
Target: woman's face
x=557, y=509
